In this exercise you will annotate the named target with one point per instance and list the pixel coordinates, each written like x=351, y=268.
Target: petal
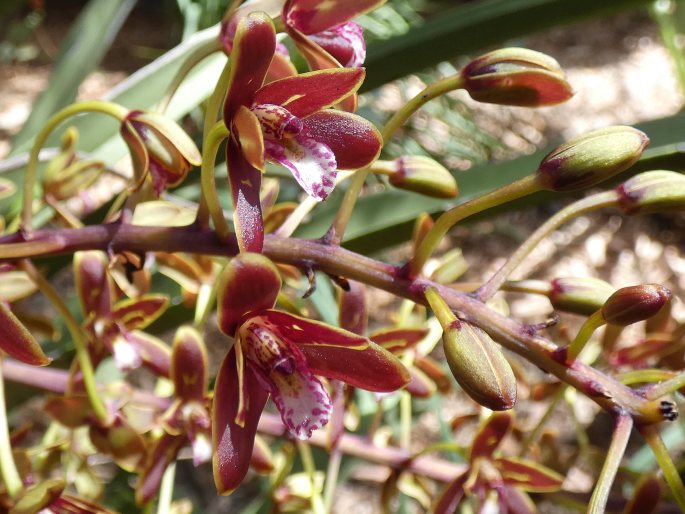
x=311, y=163
x=247, y=211
x=92, y=283
x=15, y=285
x=281, y=65
x=311, y=92
x=164, y=453
x=139, y=156
x=420, y=386
x=154, y=353
x=451, y=497
x=139, y=312
x=490, y=435
x=517, y=502
x=189, y=364
x=355, y=141
x=529, y=475
x=344, y=42
x=233, y=444
x=126, y=356
x=249, y=283
x=300, y=397
x=311, y=16
x=17, y=341
x=339, y=354
x=249, y=134
x=172, y=132
x=397, y=340
x=253, y=48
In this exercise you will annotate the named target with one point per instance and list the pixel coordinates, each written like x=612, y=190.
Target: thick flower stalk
x=288, y=122
x=279, y=354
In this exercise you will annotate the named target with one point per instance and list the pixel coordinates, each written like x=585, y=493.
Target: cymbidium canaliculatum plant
x=263, y=364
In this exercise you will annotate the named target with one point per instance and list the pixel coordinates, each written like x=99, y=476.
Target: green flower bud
x=479, y=366
x=631, y=304
x=422, y=175
x=652, y=191
x=582, y=295
x=516, y=76
x=591, y=158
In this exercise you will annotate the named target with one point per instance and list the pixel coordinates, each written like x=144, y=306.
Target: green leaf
x=474, y=26
x=88, y=40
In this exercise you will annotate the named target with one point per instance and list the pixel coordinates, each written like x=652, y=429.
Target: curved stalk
x=585, y=205
x=584, y=334
x=8, y=468
x=116, y=111
x=210, y=198
x=671, y=475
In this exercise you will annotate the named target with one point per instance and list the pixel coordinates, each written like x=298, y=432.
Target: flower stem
x=8, y=468
x=447, y=220
x=638, y=376
x=671, y=475
x=337, y=230
x=619, y=441
x=199, y=54
x=166, y=489
x=669, y=386
x=82, y=356
x=111, y=109
x=439, y=307
x=584, y=334
x=310, y=468
x=334, y=460
x=211, y=114
x=210, y=198
x=591, y=203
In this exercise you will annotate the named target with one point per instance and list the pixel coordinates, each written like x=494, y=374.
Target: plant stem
x=310, y=468
x=601, y=388
x=522, y=187
x=337, y=230
x=584, y=334
x=334, y=460
x=166, y=489
x=439, y=307
x=82, y=355
x=111, y=109
x=211, y=114
x=199, y=54
x=8, y=468
x=669, y=386
x=210, y=198
x=656, y=443
x=619, y=441
x=638, y=376
x=582, y=206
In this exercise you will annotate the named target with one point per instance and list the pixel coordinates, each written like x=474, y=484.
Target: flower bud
x=631, y=304
x=479, y=366
x=652, y=191
x=582, y=295
x=160, y=146
x=423, y=175
x=591, y=158
x=516, y=76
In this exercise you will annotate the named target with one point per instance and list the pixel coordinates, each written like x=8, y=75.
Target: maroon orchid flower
x=279, y=354
x=288, y=122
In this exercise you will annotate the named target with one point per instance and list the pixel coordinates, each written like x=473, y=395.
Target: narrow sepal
x=233, y=444
x=311, y=92
x=154, y=353
x=312, y=16
x=164, y=453
x=93, y=284
x=140, y=312
x=397, y=340
x=249, y=134
x=451, y=496
x=249, y=283
x=490, y=435
x=189, y=364
x=528, y=475
x=17, y=341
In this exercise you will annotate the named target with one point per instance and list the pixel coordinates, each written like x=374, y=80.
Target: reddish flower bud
x=516, y=76
x=479, y=366
x=591, y=158
x=652, y=191
x=580, y=295
x=631, y=304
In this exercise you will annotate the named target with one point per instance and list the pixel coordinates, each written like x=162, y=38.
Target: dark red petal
x=92, y=283
x=451, y=497
x=248, y=284
x=311, y=16
x=154, y=353
x=253, y=48
x=398, y=339
x=248, y=131
x=163, y=454
x=247, y=211
x=355, y=141
x=420, y=385
x=189, y=364
x=339, y=354
x=528, y=475
x=311, y=92
x=139, y=312
x=17, y=341
x=491, y=434
x=233, y=444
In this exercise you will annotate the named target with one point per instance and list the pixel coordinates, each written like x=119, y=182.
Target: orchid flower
x=279, y=354
x=288, y=122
